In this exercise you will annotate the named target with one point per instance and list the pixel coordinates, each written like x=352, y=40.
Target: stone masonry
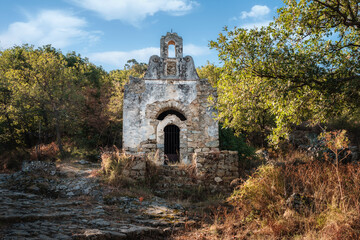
x=171, y=93
x=214, y=171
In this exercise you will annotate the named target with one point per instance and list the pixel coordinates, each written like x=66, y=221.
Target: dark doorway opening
x=172, y=143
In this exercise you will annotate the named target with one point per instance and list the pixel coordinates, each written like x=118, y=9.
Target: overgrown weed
x=43, y=152
x=265, y=206
x=113, y=163
x=115, y=167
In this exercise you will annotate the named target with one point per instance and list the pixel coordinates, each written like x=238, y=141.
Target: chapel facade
x=168, y=111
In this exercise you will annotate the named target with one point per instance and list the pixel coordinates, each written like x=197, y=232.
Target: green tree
x=302, y=67
x=17, y=118
x=46, y=95
x=209, y=72
x=115, y=106
x=50, y=85
x=43, y=90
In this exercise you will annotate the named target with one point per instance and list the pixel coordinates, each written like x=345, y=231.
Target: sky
x=110, y=32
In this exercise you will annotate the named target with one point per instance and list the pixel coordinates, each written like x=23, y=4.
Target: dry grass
x=44, y=152
x=113, y=163
x=292, y=155
x=262, y=209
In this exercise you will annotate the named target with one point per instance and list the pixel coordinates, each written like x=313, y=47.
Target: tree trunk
x=58, y=134
x=46, y=125
x=11, y=129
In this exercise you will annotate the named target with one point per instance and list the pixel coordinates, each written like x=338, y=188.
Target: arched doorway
x=172, y=143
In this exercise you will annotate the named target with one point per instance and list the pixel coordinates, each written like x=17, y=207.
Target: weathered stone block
x=212, y=144
x=139, y=165
x=220, y=173
x=218, y=179
x=150, y=146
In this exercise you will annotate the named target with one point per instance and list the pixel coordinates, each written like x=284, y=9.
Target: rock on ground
x=70, y=204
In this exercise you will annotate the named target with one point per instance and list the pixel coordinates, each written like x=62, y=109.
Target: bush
x=228, y=141
x=45, y=152
x=113, y=163
x=12, y=160
x=262, y=194
x=265, y=205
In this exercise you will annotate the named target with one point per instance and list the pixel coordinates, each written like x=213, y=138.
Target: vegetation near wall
x=47, y=96
x=292, y=202
x=300, y=71
x=303, y=66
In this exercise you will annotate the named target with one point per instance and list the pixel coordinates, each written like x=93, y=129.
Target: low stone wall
x=213, y=170
x=136, y=167
x=217, y=169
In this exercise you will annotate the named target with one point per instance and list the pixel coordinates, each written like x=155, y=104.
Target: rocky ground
x=67, y=201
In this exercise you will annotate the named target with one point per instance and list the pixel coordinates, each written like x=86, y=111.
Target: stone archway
x=160, y=137
x=163, y=113
x=154, y=110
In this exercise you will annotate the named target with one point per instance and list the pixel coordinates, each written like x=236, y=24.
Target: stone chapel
x=168, y=110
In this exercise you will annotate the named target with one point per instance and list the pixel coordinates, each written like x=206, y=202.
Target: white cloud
x=256, y=18
x=134, y=11
x=54, y=27
x=193, y=50
x=256, y=24
x=117, y=59
x=257, y=11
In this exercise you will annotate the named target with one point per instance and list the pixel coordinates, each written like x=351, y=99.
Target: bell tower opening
x=171, y=49
x=172, y=143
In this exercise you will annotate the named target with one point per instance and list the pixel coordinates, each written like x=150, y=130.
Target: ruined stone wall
x=145, y=100
x=211, y=170
x=136, y=167
x=170, y=84
x=217, y=169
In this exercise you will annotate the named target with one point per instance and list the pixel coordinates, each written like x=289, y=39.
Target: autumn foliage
x=47, y=96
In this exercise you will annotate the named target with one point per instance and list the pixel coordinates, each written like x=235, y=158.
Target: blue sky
x=110, y=32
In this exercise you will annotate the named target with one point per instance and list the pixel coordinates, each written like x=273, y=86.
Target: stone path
x=29, y=210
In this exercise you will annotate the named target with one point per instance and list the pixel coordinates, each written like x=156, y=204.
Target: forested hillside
x=48, y=96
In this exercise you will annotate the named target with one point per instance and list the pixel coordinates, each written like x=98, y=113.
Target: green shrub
x=228, y=141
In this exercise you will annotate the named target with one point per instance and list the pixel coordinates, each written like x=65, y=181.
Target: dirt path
x=68, y=202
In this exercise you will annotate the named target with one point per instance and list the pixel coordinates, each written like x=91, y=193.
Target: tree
x=43, y=89
x=115, y=106
x=46, y=95
x=17, y=111
x=50, y=84
x=209, y=72
x=302, y=67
